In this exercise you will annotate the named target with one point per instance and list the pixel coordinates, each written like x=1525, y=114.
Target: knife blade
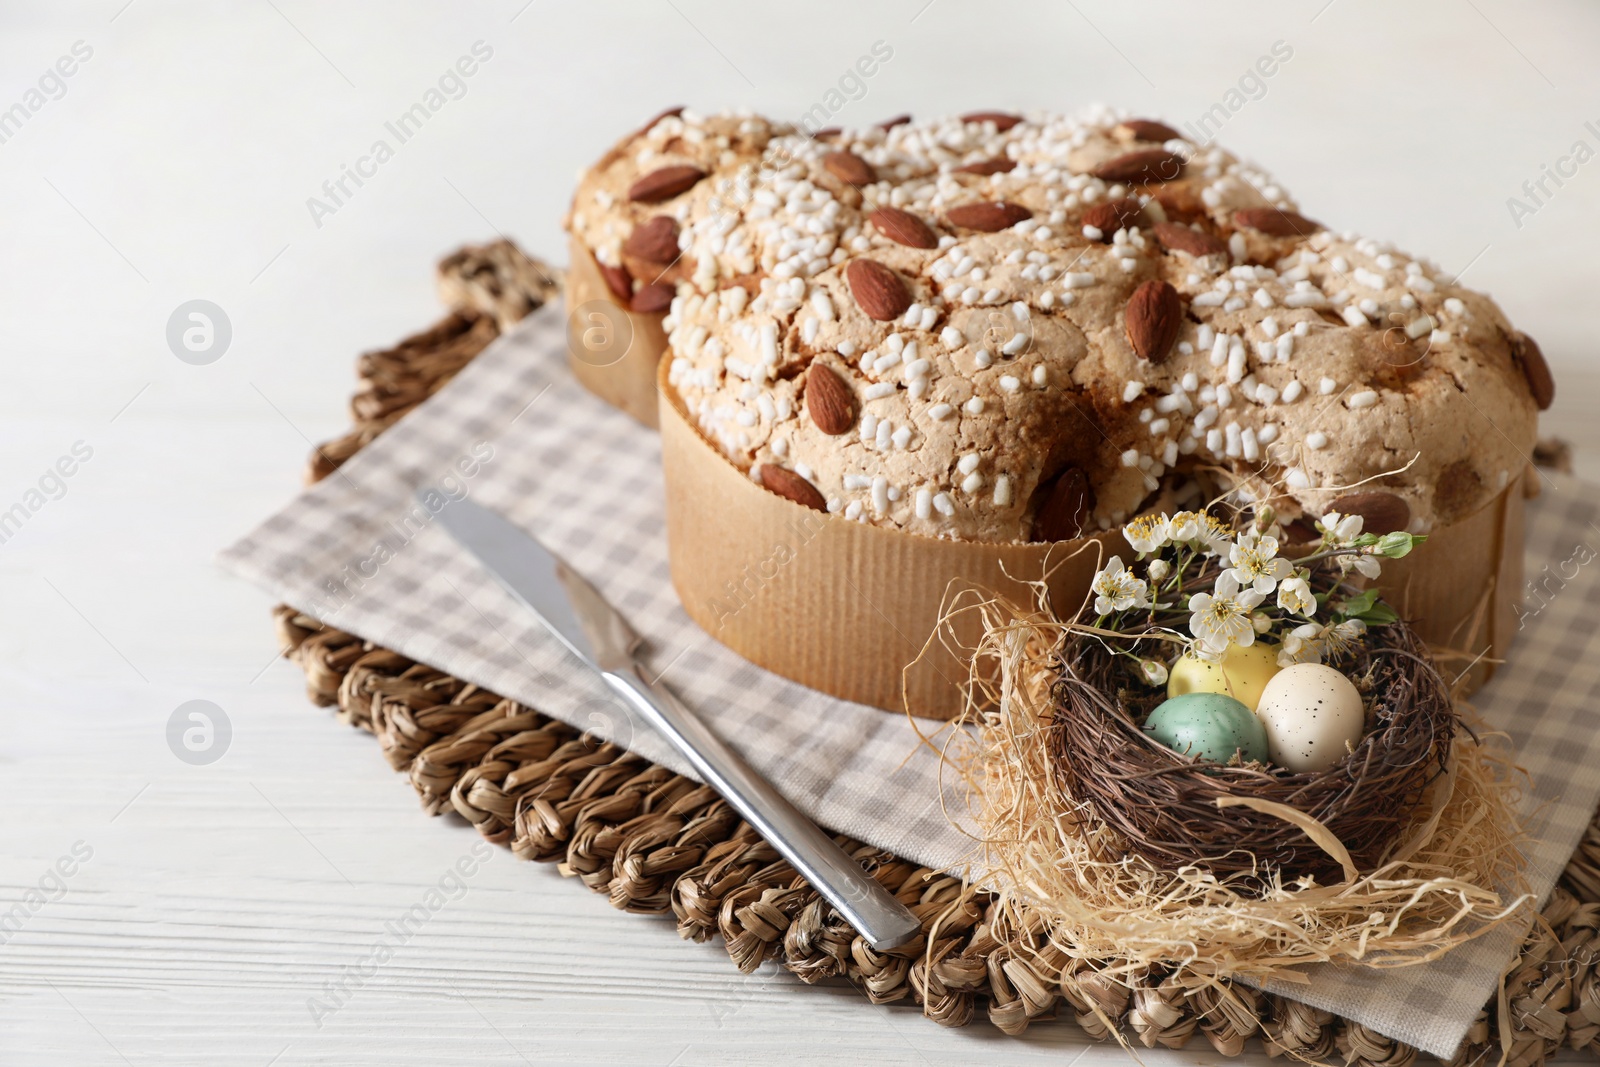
x=582, y=619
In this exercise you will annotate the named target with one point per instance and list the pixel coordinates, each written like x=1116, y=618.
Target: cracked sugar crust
x=1304, y=363
x=602, y=215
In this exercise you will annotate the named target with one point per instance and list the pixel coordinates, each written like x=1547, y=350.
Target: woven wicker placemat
x=654, y=841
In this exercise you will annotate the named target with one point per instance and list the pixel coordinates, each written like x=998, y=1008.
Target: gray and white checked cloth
x=516, y=433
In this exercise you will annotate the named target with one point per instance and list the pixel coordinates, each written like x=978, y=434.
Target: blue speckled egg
x=1210, y=726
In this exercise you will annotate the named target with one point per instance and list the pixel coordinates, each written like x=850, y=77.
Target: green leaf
x=1360, y=603
x=1368, y=608
x=1379, y=615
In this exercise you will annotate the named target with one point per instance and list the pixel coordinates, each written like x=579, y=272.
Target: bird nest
x=1118, y=850
x=1174, y=810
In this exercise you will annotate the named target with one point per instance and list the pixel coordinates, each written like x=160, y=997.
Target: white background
x=178, y=165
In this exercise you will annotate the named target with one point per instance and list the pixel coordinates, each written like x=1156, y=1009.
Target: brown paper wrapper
x=612, y=351
x=852, y=609
x=1459, y=589
x=840, y=606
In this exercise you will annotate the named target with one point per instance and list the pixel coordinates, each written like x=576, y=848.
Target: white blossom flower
x=1256, y=562
x=1158, y=569
x=1339, y=529
x=1345, y=634
x=1116, y=589
x=1294, y=595
x=1299, y=646
x=1184, y=526
x=1199, y=531
x=1222, y=617
x=1215, y=536
x=1310, y=642
x=1147, y=533
x=1153, y=671
x=1364, y=565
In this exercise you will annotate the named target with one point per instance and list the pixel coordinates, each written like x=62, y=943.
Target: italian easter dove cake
x=984, y=342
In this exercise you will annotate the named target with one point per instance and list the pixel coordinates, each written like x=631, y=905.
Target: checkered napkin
x=517, y=434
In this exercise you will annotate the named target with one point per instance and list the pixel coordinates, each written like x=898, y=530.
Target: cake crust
x=1094, y=309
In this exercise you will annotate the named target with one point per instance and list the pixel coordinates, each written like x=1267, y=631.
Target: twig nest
x=1164, y=804
x=1312, y=717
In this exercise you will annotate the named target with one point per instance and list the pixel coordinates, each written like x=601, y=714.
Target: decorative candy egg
x=1211, y=726
x=1243, y=673
x=1311, y=713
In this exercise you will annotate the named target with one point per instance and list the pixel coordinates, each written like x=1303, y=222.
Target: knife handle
x=882, y=920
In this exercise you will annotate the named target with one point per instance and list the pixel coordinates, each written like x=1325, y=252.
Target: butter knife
x=592, y=630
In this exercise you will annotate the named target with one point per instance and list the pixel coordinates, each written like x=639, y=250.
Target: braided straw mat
x=655, y=841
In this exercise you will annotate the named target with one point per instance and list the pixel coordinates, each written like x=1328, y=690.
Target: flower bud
x=1153, y=671
x=1396, y=545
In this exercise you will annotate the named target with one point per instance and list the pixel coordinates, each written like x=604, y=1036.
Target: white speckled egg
x=1311, y=712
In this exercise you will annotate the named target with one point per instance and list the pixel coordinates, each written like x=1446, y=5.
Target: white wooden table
x=175, y=163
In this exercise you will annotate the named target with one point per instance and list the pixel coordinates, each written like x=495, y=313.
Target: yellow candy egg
x=1242, y=673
